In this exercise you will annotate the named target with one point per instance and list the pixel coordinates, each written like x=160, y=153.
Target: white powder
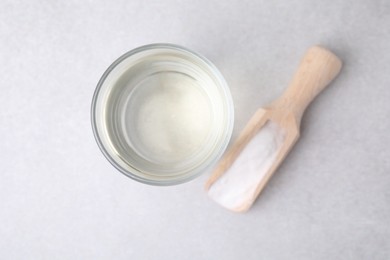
x=238, y=184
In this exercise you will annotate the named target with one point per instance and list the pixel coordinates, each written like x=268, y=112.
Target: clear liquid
x=167, y=117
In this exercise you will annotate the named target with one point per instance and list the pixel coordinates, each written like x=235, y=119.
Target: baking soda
x=238, y=184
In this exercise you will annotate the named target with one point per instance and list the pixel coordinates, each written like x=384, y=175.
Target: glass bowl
x=162, y=114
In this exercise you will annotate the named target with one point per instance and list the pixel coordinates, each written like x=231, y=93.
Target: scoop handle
x=317, y=69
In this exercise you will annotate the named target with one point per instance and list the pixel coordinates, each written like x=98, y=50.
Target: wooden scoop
x=270, y=134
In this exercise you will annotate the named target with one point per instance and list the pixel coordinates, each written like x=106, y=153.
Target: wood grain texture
x=317, y=69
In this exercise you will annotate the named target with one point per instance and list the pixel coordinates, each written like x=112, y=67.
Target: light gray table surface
x=61, y=199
